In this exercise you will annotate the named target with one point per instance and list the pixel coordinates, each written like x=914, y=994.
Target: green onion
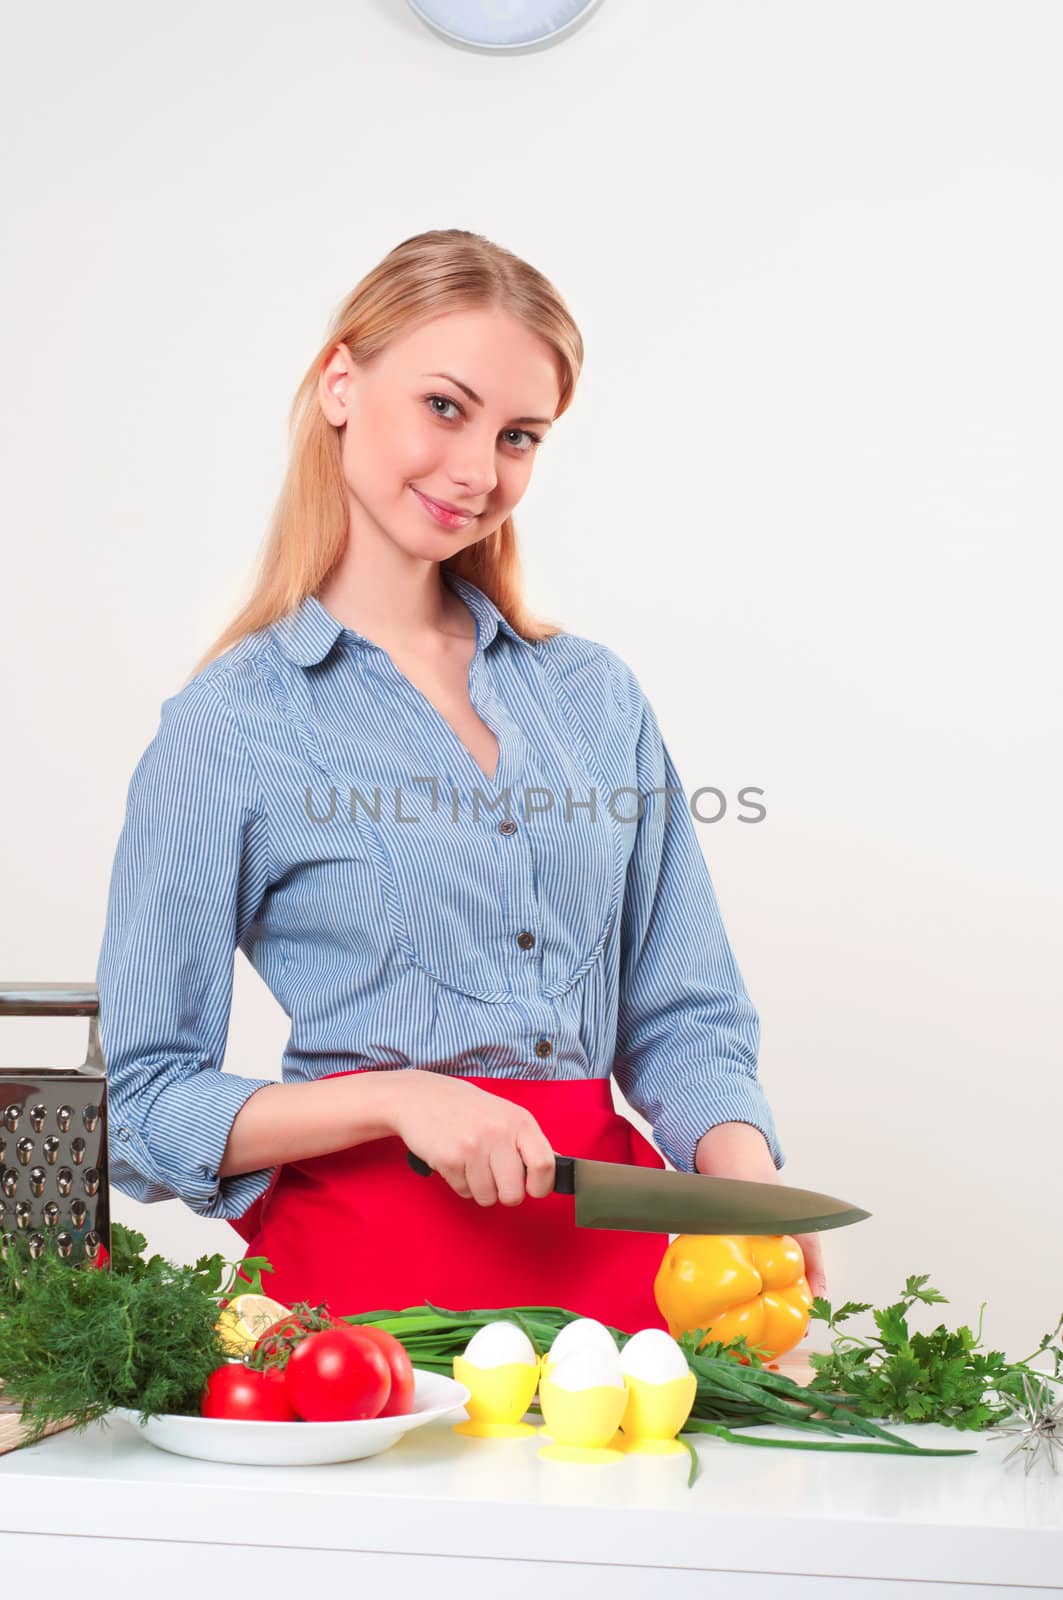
x=729, y=1396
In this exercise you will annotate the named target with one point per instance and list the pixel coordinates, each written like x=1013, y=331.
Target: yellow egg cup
x=617, y=1442
x=654, y=1414
x=498, y=1398
x=600, y=1424
x=582, y=1423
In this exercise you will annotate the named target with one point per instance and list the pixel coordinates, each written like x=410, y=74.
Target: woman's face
x=416, y=434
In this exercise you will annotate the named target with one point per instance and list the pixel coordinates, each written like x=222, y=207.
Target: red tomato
x=291, y=1328
x=400, y=1401
x=236, y=1392
x=336, y=1376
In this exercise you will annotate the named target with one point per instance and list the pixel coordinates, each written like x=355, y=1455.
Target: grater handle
x=49, y=1000
x=58, y=1000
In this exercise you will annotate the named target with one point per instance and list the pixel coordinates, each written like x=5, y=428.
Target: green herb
x=941, y=1376
x=76, y=1341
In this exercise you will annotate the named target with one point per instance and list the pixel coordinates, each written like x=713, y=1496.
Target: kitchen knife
x=611, y=1194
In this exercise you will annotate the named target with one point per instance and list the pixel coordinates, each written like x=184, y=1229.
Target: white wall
x=809, y=488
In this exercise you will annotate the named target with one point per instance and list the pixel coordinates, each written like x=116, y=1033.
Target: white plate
x=297, y=1444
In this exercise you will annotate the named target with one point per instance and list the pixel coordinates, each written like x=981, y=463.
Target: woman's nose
x=474, y=468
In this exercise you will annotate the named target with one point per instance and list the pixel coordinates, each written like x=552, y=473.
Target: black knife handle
x=564, y=1171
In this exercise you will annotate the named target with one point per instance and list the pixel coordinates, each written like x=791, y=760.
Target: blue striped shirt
x=304, y=802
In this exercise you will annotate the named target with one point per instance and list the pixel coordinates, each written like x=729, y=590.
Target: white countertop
x=961, y=1520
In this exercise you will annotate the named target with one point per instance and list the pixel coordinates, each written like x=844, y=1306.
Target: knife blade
x=611, y=1194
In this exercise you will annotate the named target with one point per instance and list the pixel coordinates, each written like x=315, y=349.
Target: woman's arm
x=737, y=1150
x=294, y=1121
x=731, y=1146
x=687, y=1031
x=191, y=868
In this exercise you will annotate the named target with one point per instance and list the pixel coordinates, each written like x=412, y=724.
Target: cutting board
x=12, y=1431
x=796, y=1365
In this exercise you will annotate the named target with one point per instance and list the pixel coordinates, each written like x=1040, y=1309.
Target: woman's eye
x=534, y=438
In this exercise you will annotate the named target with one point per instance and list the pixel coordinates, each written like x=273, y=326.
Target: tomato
x=400, y=1401
x=337, y=1376
x=283, y=1334
x=239, y=1394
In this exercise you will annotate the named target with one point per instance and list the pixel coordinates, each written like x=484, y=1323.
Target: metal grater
x=53, y=1137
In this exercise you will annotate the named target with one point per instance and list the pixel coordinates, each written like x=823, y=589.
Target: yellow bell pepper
x=732, y=1284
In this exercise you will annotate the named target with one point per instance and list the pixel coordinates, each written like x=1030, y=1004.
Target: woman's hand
x=488, y=1149
x=738, y=1150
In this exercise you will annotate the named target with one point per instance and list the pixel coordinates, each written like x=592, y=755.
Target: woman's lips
x=446, y=519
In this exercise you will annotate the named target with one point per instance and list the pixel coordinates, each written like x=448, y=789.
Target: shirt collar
x=307, y=634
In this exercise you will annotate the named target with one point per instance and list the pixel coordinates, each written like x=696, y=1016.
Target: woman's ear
x=334, y=386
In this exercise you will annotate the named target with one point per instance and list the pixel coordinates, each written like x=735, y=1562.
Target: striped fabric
x=302, y=801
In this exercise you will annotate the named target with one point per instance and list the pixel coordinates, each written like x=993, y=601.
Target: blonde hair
x=443, y=270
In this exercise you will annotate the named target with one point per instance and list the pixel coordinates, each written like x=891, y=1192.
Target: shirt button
x=123, y=1133
x=525, y=940
x=509, y=826
x=543, y=1047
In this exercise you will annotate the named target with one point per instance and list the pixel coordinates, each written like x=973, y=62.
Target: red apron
x=362, y=1231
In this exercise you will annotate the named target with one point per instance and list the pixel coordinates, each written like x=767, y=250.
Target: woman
x=438, y=829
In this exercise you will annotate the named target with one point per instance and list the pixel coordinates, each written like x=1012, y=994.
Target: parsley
x=942, y=1376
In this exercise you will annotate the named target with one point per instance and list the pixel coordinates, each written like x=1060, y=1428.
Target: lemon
x=246, y=1318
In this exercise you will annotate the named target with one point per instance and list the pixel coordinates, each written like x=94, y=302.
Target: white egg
x=499, y=1343
x=585, y=1333
x=588, y=1369
x=654, y=1356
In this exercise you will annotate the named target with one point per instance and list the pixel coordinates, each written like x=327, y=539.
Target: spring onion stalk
x=729, y=1395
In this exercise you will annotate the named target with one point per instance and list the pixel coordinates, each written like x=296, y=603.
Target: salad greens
x=942, y=1376
x=77, y=1341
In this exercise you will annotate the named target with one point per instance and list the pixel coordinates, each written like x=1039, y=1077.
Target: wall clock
x=504, y=25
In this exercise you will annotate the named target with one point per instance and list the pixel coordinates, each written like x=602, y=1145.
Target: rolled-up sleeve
x=688, y=1034
x=189, y=873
